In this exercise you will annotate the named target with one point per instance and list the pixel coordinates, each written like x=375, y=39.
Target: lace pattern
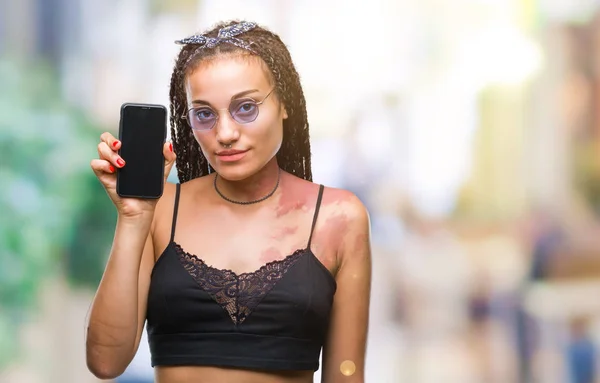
x=239, y=294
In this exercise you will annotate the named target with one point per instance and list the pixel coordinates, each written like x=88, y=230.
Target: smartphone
x=142, y=132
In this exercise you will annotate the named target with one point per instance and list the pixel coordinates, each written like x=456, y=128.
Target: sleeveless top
x=275, y=318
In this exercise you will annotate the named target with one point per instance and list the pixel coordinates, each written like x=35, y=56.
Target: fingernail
x=112, y=169
x=115, y=144
x=171, y=147
x=120, y=162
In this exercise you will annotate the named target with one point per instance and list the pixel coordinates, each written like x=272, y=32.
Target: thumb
x=170, y=158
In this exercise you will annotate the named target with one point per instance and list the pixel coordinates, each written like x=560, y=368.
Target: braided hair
x=294, y=154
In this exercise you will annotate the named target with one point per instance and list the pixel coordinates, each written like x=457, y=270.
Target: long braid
x=190, y=160
x=294, y=155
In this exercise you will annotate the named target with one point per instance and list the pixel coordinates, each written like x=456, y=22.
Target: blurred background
x=470, y=129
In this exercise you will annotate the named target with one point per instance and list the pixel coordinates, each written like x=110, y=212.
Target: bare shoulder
x=168, y=197
x=335, y=202
x=341, y=202
x=164, y=206
x=345, y=224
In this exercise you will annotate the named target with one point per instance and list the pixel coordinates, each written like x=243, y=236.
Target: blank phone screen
x=142, y=134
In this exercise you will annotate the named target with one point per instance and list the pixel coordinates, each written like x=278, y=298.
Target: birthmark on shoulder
x=332, y=231
x=333, y=196
x=338, y=222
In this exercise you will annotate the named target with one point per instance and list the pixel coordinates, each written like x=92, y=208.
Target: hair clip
x=225, y=35
x=196, y=39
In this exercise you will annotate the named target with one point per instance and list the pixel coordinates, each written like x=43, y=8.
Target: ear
x=284, y=112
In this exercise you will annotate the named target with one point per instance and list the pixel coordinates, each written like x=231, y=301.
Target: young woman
x=246, y=270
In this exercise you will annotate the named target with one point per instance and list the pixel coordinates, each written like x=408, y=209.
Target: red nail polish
x=115, y=143
x=120, y=162
x=171, y=147
x=112, y=169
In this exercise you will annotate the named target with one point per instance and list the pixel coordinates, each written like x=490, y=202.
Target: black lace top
x=275, y=318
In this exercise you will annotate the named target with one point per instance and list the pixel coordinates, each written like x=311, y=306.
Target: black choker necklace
x=247, y=202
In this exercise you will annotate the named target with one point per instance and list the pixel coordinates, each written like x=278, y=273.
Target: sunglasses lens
x=202, y=118
x=244, y=111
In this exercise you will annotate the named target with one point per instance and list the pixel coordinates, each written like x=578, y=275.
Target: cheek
x=274, y=136
x=271, y=130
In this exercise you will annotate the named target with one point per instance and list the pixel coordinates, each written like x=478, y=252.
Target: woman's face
x=233, y=83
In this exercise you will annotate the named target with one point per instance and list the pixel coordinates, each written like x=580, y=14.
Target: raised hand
x=105, y=167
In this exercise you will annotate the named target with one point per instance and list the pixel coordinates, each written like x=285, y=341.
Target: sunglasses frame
x=258, y=103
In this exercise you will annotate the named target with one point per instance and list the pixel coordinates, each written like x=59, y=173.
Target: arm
x=345, y=348
x=117, y=314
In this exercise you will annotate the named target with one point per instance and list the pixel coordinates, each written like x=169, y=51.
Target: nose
x=227, y=129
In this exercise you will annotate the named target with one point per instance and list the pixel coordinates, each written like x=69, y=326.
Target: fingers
x=107, y=150
x=110, y=141
x=109, y=160
x=101, y=167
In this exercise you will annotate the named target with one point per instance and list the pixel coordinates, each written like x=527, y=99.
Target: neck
x=252, y=188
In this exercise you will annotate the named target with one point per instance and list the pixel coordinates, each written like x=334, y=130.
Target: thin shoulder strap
x=175, y=209
x=314, y=222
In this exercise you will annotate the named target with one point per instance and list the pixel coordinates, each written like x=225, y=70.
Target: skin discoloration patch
x=333, y=197
x=335, y=228
x=327, y=238
x=289, y=202
x=347, y=368
x=270, y=254
x=361, y=240
x=285, y=232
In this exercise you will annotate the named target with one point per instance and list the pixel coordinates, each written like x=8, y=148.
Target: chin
x=235, y=172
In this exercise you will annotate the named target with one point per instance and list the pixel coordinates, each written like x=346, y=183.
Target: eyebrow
x=237, y=95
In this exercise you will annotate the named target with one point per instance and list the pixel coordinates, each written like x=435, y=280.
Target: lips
x=231, y=152
x=231, y=155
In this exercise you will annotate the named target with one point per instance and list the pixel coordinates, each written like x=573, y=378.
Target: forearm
x=112, y=325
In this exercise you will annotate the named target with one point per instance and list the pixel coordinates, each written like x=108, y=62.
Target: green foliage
x=55, y=218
